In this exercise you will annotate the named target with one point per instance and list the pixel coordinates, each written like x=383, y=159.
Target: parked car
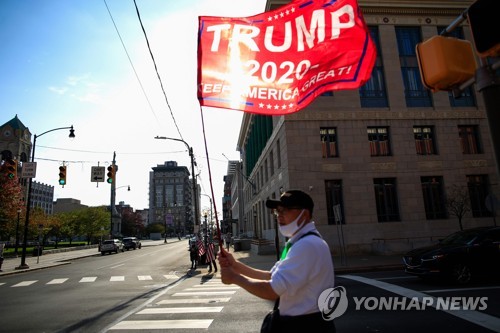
x=460, y=256
x=111, y=245
x=131, y=243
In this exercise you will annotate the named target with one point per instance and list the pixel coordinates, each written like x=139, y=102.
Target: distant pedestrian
x=2, y=245
x=211, y=256
x=228, y=240
x=193, y=254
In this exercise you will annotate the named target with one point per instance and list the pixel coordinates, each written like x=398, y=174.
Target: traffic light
x=10, y=166
x=445, y=62
x=483, y=21
x=62, y=175
x=111, y=174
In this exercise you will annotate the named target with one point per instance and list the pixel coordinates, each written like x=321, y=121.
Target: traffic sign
x=29, y=170
x=97, y=174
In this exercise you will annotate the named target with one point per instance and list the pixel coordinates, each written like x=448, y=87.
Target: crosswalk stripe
x=57, y=281
x=171, y=276
x=203, y=309
x=88, y=279
x=24, y=283
x=212, y=288
x=194, y=301
x=144, y=277
x=162, y=324
x=117, y=278
x=2, y=283
x=205, y=293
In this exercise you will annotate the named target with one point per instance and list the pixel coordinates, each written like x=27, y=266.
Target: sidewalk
x=351, y=264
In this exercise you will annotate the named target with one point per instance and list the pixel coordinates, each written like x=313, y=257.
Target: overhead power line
x=131, y=64
x=156, y=69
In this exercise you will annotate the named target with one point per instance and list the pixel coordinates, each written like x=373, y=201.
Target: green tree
x=92, y=220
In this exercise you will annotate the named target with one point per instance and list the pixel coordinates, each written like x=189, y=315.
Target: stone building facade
x=380, y=162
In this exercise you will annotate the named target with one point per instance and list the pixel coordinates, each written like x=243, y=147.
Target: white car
x=111, y=245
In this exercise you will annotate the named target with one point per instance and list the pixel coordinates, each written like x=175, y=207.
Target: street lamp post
x=191, y=155
x=28, y=201
x=17, y=230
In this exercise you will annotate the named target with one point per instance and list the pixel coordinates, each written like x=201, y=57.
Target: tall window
x=328, y=141
x=416, y=94
x=467, y=98
x=469, y=139
x=386, y=198
x=424, y=140
x=478, y=193
x=373, y=93
x=334, y=199
x=434, y=199
x=278, y=153
x=271, y=161
x=378, y=137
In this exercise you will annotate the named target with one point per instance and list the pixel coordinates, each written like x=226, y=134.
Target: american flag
x=201, y=247
x=210, y=252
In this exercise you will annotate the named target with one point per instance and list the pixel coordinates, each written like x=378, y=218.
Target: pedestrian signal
x=483, y=21
x=111, y=174
x=445, y=62
x=62, y=175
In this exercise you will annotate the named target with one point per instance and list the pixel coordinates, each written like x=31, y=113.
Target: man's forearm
x=259, y=288
x=252, y=272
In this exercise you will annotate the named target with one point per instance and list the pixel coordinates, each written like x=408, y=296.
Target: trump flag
x=278, y=62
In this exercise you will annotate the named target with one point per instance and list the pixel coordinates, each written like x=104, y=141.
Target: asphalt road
x=152, y=290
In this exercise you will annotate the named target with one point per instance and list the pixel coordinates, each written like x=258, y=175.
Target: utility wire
x=131, y=64
x=156, y=69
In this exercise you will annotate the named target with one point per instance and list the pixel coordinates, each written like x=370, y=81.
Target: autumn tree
x=10, y=201
x=132, y=223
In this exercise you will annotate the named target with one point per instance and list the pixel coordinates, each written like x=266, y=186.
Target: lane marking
x=88, y=279
x=194, y=301
x=117, y=278
x=57, y=281
x=204, y=293
x=203, y=309
x=476, y=317
x=162, y=324
x=212, y=288
x=24, y=284
x=144, y=278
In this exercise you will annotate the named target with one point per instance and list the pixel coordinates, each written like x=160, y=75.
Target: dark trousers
x=313, y=322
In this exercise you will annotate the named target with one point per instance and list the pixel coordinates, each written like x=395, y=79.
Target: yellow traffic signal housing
x=111, y=174
x=11, y=168
x=445, y=62
x=62, y=175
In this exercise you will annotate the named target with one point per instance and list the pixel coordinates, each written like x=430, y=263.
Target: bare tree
x=458, y=202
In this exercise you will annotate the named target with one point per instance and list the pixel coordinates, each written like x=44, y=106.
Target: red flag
x=278, y=62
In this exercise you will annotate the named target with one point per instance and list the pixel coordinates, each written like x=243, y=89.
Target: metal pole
x=23, y=264
x=28, y=201
x=112, y=199
x=17, y=230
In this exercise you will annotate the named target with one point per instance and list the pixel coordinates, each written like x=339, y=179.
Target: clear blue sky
x=62, y=63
